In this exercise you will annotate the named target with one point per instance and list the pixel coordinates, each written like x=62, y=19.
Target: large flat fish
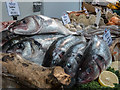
x=58, y=48
x=37, y=24
x=97, y=57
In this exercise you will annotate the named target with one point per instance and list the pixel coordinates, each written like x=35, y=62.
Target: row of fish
x=47, y=42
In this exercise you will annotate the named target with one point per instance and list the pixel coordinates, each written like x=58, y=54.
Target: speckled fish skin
x=29, y=49
x=11, y=42
x=6, y=35
x=97, y=57
x=36, y=24
x=58, y=48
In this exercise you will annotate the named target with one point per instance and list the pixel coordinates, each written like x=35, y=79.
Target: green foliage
x=92, y=84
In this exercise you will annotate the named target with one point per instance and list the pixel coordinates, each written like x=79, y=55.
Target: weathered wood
x=33, y=74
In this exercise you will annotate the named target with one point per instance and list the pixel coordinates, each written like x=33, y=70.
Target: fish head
x=57, y=56
x=16, y=48
x=88, y=71
x=25, y=26
x=93, y=61
x=70, y=66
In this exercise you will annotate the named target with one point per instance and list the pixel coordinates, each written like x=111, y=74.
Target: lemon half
x=108, y=79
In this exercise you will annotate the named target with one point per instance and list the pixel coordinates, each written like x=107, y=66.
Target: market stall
x=79, y=50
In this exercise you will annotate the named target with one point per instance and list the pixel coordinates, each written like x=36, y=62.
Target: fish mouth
x=24, y=27
x=17, y=26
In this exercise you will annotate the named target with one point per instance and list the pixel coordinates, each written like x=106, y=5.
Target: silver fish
x=58, y=48
x=72, y=58
x=29, y=49
x=37, y=24
x=97, y=57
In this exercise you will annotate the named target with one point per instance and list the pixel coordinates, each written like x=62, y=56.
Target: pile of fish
x=85, y=23
x=47, y=42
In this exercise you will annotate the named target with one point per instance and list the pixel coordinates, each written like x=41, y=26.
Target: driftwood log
x=31, y=74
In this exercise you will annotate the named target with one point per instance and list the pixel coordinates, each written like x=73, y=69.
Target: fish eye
x=24, y=22
x=63, y=53
x=68, y=65
x=54, y=62
x=79, y=55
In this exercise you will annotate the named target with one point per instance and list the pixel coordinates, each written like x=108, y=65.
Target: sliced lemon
x=108, y=79
x=116, y=65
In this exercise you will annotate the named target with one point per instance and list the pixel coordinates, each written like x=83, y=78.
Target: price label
x=98, y=17
x=96, y=10
x=65, y=19
x=85, y=10
x=107, y=37
x=13, y=8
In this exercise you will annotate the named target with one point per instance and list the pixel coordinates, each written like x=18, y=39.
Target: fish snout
x=12, y=26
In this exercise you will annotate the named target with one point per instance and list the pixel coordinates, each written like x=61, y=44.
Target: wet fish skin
x=72, y=58
x=97, y=57
x=38, y=24
x=6, y=35
x=46, y=39
x=58, y=48
x=29, y=49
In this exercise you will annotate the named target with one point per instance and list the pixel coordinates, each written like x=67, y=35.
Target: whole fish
x=29, y=49
x=44, y=39
x=97, y=57
x=72, y=58
x=90, y=32
x=58, y=48
x=37, y=24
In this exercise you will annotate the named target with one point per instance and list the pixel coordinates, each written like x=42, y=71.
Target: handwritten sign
x=65, y=19
x=107, y=37
x=13, y=8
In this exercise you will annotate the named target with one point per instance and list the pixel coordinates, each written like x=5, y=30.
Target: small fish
x=58, y=48
x=29, y=49
x=37, y=24
x=97, y=57
x=72, y=58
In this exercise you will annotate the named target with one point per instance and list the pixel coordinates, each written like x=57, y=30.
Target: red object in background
x=114, y=21
x=4, y=25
